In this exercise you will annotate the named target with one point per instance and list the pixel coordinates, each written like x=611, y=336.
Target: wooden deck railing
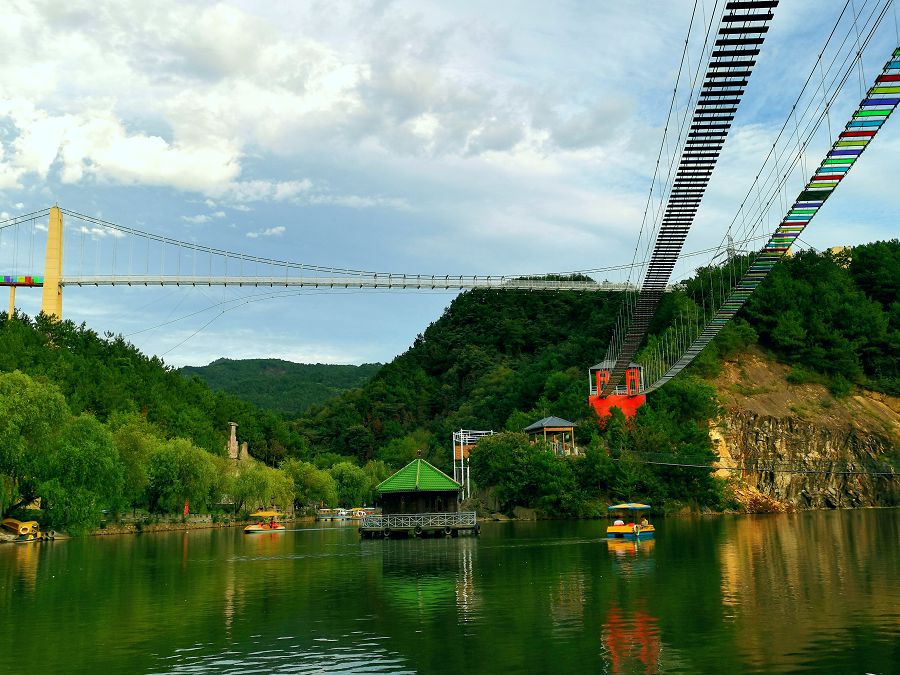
x=409, y=521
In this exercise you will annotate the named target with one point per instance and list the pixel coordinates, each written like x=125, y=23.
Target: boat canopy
x=630, y=506
x=265, y=514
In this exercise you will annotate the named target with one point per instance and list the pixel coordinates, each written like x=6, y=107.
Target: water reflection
x=428, y=576
x=27, y=556
x=567, y=597
x=790, y=568
x=466, y=600
x=633, y=558
x=814, y=592
x=631, y=641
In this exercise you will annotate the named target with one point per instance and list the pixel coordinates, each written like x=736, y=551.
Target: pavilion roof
x=418, y=476
x=549, y=422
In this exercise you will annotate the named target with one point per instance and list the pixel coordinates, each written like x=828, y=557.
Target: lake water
x=811, y=592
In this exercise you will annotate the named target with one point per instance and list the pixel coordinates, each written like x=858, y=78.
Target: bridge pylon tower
x=51, y=298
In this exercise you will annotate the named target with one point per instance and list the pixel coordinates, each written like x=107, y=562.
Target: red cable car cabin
x=628, y=396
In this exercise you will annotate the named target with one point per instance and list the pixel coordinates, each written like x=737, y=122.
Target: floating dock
x=419, y=525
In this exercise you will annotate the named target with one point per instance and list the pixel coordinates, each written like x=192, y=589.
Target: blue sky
x=425, y=137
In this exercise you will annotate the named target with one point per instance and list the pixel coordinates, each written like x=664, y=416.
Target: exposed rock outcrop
x=801, y=447
x=806, y=465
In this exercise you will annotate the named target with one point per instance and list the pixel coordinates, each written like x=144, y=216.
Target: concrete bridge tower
x=51, y=300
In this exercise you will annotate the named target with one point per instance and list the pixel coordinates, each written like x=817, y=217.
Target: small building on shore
x=558, y=433
x=418, y=500
x=419, y=487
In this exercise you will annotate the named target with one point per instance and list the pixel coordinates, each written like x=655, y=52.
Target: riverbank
x=200, y=522
x=139, y=526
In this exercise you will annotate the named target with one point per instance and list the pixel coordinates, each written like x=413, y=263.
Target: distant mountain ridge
x=283, y=386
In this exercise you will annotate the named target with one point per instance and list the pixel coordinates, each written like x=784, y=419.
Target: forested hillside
x=500, y=360
x=105, y=375
x=88, y=423
x=285, y=387
x=503, y=360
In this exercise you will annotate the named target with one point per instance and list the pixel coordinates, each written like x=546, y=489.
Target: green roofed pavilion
x=418, y=476
x=419, y=487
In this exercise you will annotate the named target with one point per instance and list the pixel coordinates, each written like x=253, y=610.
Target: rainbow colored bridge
x=28, y=280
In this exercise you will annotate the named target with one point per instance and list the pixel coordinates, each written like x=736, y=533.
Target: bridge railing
x=618, y=391
x=386, y=281
x=409, y=521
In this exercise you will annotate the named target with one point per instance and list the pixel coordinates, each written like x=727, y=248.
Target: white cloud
x=276, y=231
x=411, y=134
x=168, y=94
x=100, y=232
x=264, y=190
x=302, y=192
x=201, y=218
x=94, y=144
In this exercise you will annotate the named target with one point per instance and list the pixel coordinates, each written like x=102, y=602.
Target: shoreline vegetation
x=90, y=424
x=521, y=514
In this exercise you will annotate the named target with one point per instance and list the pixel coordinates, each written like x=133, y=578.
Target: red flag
x=185, y=507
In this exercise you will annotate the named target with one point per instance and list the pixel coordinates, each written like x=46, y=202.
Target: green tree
x=82, y=475
x=178, y=471
x=376, y=471
x=401, y=451
x=135, y=440
x=876, y=269
x=260, y=486
x=312, y=486
x=352, y=484
x=32, y=416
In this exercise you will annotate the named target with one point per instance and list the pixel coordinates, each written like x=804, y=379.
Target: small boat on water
x=270, y=525
x=332, y=514
x=630, y=522
x=26, y=530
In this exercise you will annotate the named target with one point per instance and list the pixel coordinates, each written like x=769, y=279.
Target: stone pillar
x=232, y=442
x=243, y=453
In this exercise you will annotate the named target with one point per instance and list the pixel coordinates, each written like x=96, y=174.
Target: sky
x=405, y=137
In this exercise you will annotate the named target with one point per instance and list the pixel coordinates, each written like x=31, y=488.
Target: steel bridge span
x=454, y=283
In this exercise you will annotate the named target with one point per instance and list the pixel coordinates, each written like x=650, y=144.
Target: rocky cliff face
x=805, y=465
x=801, y=448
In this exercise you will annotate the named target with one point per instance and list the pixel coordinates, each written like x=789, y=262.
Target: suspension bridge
x=704, y=105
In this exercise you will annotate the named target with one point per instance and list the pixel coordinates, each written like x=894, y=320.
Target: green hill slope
x=500, y=360
x=105, y=376
x=285, y=387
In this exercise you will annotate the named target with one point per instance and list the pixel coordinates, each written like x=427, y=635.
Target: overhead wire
x=705, y=333
x=662, y=143
x=808, y=133
x=757, y=468
x=811, y=127
x=710, y=122
x=787, y=120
